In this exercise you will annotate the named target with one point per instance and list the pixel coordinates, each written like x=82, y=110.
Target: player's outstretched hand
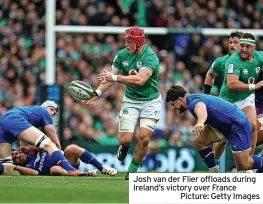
x=259, y=85
x=198, y=129
x=90, y=101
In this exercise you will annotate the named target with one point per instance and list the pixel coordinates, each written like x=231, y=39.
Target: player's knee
x=124, y=138
x=245, y=165
x=200, y=142
x=144, y=138
x=72, y=149
x=43, y=142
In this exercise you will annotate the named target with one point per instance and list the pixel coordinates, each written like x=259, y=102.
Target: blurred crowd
x=184, y=59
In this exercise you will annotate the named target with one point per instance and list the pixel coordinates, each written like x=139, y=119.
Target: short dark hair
x=174, y=93
x=248, y=36
x=236, y=33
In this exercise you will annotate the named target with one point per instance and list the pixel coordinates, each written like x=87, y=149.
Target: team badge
x=245, y=71
x=125, y=63
x=257, y=69
x=139, y=64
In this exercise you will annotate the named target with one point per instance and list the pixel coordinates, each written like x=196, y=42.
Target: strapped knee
x=148, y=124
x=42, y=141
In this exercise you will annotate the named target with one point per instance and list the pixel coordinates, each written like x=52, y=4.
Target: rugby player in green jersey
x=141, y=101
x=241, y=73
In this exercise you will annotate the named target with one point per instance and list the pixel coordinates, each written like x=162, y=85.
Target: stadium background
x=184, y=59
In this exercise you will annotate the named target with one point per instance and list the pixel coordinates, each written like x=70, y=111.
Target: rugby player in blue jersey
x=22, y=124
x=213, y=113
x=30, y=160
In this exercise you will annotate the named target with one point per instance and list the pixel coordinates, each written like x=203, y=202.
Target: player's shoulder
x=122, y=52
x=149, y=51
x=258, y=55
x=221, y=60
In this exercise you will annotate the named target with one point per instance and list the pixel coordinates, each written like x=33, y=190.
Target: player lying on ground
x=213, y=113
x=22, y=124
x=30, y=160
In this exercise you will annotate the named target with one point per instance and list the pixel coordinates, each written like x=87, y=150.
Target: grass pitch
x=51, y=189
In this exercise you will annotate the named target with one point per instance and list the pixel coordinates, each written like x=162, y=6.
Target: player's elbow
x=141, y=82
x=231, y=85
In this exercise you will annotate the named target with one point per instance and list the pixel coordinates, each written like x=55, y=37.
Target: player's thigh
x=129, y=115
x=151, y=109
x=30, y=135
x=250, y=112
x=58, y=171
x=242, y=159
x=5, y=150
x=209, y=135
x=239, y=138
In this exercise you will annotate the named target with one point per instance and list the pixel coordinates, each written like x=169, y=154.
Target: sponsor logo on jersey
x=245, y=71
x=139, y=64
x=230, y=68
x=133, y=72
x=41, y=160
x=125, y=63
x=257, y=69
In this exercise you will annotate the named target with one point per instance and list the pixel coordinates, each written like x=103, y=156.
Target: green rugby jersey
x=130, y=64
x=218, y=67
x=246, y=71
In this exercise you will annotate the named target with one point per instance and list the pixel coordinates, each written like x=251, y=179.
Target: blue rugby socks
x=57, y=158
x=208, y=157
x=88, y=158
x=258, y=163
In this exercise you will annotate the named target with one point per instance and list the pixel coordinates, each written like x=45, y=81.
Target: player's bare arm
x=210, y=77
x=52, y=134
x=235, y=84
x=201, y=114
x=209, y=80
x=137, y=80
x=26, y=171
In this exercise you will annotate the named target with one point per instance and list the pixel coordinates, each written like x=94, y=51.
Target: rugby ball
x=80, y=90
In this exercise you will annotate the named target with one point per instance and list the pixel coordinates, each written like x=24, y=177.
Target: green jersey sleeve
x=232, y=67
x=116, y=64
x=151, y=62
x=216, y=68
